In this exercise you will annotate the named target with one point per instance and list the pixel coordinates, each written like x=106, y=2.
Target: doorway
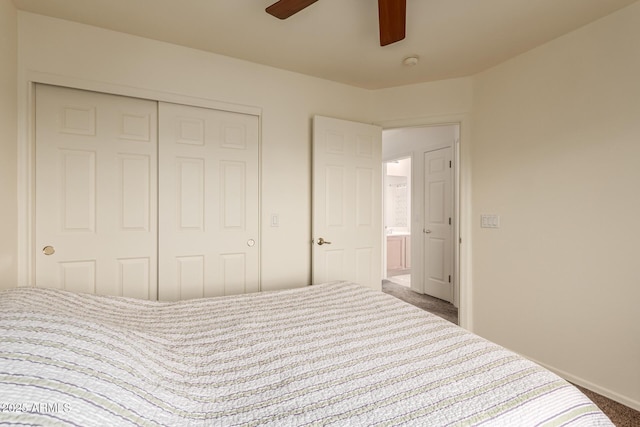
x=397, y=220
x=415, y=143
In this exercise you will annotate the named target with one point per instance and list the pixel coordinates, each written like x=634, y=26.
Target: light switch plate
x=490, y=221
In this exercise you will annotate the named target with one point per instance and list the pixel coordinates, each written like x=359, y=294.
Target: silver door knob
x=48, y=250
x=321, y=242
x=425, y=231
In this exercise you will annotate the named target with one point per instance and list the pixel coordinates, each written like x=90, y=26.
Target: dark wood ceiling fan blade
x=285, y=8
x=392, y=15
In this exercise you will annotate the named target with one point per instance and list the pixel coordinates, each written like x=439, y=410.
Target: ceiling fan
x=392, y=15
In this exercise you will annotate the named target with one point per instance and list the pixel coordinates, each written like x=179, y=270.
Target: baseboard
x=633, y=404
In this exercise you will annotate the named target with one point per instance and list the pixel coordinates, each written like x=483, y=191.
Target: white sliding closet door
x=95, y=193
x=209, y=206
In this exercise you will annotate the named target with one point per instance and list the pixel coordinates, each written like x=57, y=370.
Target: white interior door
x=347, y=202
x=438, y=228
x=209, y=207
x=95, y=187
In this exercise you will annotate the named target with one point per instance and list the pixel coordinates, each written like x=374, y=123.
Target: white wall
x=556, y=153
x=8, y=132
x=288, y=101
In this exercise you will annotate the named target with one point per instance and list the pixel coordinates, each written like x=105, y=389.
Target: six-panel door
x=438, y=228
x=347, y=202
x=208, y=203
x=95, y=187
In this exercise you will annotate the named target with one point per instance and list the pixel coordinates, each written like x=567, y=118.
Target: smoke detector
x=410, y=61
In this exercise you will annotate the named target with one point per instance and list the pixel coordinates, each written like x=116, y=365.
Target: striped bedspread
x=332, y=354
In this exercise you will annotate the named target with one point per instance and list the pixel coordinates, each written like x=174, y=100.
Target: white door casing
x=209, y=202
x=438, y=224
x=95, y=193
x=347, y=202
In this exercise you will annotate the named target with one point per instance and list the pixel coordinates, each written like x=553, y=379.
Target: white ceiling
x=338, y=39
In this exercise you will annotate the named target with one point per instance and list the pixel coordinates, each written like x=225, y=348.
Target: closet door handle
x=425, y=231
x=321, y=242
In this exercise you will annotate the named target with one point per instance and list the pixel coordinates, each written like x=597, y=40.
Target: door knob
x=426, y=231
x=48, y=250
x=321, y=242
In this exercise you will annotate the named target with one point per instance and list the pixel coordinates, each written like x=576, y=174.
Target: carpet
x=619, y=414
x=428, y=303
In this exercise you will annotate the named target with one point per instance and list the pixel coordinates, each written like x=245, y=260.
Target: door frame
x=418, y=149
x=26, y=150
x=462, y=205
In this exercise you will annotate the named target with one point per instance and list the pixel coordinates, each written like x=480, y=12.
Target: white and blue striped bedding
x=332, y=354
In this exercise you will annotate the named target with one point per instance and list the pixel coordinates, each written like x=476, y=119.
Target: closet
x=144, y=199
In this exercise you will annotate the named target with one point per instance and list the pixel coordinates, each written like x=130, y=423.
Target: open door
x=438, y=224
x=347, y=202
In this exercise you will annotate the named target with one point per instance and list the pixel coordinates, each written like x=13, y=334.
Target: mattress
x=330, y=354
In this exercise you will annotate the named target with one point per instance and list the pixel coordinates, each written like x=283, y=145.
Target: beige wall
x=92, y=57
x=423, y=103
x=556, y=153
x=8, y=132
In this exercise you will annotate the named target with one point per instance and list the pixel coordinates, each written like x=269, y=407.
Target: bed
x=330, y=354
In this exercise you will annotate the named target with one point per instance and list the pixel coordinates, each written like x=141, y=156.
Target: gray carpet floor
x=620, y=415
x=441, y=308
